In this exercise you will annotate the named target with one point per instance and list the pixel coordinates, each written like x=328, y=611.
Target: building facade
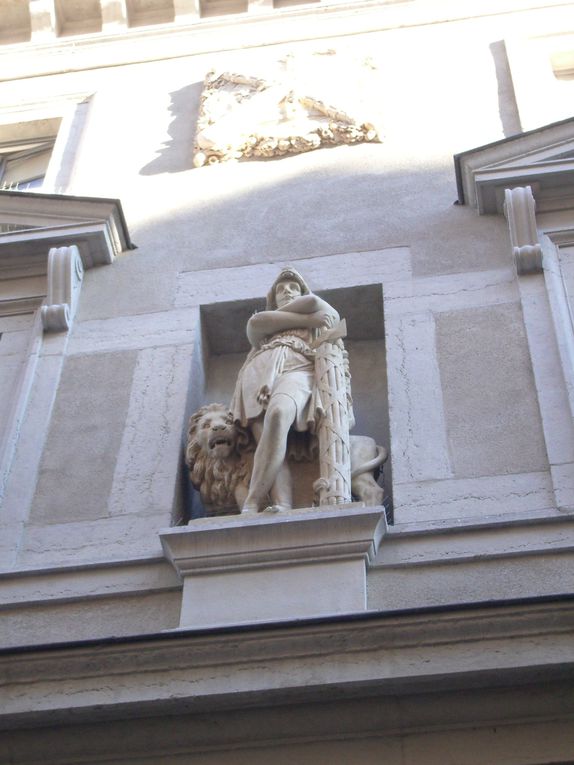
x=160, y=162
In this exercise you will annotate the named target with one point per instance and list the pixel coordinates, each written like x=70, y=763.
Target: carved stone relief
x=249, y=117
x=292, y=405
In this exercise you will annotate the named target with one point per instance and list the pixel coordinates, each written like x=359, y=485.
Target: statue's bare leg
x=271, y=473
x=282, y=489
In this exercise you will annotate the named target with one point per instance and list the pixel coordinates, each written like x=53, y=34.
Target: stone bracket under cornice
x=65, y=274
x=57, y=236
x=520, y=212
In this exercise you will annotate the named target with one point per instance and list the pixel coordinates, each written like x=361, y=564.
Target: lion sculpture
x=367, y=457
x=219, y=455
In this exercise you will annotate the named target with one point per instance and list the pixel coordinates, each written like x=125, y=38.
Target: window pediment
x=542, y=159
x=31, y=224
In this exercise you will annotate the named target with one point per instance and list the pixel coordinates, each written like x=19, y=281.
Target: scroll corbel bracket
x=520, y=212
x=65, y=274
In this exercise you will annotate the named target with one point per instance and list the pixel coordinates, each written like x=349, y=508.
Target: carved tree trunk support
x=334, y=485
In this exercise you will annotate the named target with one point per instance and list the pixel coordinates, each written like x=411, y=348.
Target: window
x=23, y=163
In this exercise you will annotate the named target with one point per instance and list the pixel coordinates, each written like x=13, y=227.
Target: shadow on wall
x=176, y=155
x=345, y=200
x=507, y=106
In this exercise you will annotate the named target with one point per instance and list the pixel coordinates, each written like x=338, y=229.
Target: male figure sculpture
x=276, y=390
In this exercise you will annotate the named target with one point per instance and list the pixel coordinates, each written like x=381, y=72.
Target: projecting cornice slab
x=542, y=159
x=58, y=236
x=403, y=652
x=35, y=223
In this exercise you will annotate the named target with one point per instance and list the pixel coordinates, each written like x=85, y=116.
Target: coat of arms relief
x=301, y=104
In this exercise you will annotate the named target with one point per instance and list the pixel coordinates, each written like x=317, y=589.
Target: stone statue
x=276, y=388
x=292, y=400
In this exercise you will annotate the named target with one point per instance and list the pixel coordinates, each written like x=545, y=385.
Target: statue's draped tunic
x=283, y=364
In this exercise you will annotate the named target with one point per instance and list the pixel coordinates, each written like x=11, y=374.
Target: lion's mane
x=217, y=478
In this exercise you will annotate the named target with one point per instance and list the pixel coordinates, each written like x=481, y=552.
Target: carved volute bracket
x=65, y=274
x=519, y=209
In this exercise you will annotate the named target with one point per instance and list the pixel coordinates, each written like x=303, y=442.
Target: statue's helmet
x=287, y=274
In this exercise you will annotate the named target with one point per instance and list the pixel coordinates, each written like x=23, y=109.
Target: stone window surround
x=529, y=178
x=63, y=117
x=57, y=252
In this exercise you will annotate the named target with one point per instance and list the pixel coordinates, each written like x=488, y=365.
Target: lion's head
x=217, y=455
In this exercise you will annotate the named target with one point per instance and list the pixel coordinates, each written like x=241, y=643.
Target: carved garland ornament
x=245, y=117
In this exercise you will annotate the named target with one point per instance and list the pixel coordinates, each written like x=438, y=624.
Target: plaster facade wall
x=466, y=437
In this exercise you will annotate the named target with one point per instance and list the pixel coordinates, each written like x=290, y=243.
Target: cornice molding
x=542, y=159
x=401, y=652
x=118, y=45
x=16, y=306
x=536, y=718
x=307, y=535
x=96, y=226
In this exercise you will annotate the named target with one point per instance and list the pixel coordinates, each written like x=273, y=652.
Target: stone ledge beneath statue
x=299, y=564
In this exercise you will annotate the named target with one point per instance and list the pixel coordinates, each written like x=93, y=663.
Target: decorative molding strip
x=561, y=237
x=65, y=274
x=520, y=212
x=16, y=306
x=439, y=648
x=62, y=219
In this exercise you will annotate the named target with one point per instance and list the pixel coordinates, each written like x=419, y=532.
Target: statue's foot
x=276, y=508
x=249, y=509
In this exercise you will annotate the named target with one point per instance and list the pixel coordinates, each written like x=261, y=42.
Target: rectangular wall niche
x=224, y=346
